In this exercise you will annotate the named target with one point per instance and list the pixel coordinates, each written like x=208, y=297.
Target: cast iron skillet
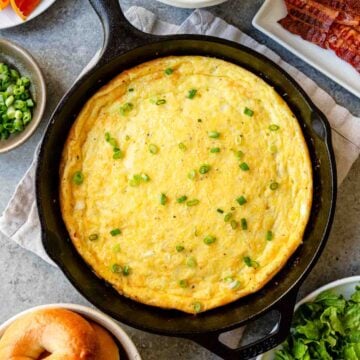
x=125, y=47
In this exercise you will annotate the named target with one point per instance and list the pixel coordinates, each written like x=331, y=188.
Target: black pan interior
x=56, y=239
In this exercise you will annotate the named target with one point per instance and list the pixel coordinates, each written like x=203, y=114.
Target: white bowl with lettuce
x=326, y=325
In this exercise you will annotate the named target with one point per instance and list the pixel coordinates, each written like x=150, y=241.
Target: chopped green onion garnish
x=192, y=174
x=131, y=90
x=117, y=248
x=274, y=185
x=126, y=270
x=227, y=217
x=118, y=154
x=250, y=263
x=180, y=248
x=241, y=200
x=110, y=140
x=214, y=134
x=126, y=108
x=244, y=225
x=209, y=239
x=93, y=237
x=137, y=179
x=244, y=166
x=199, y=120
x=182, y=199
x=273, y=149
x=234, y=224
x=160, y=102
x=191, y=262
x=215, y=150
x=220, y=211
x=116, y=268
x=78, y=178
x=191, y=94
x=168, y=71
x=163, y=199
x=205, y=168
x=182, y=147
x=193, y=202
x=197, y=307
x=115, y=232
x=269, y=235
x=248, y=112
x=153, y=149
x=274, y=127
x=183, y=283
x=238, y=153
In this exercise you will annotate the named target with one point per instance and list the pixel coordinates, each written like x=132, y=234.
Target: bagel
x=56, y=334
x=107, y=347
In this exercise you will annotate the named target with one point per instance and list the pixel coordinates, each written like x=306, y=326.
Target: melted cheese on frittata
x=186, y=183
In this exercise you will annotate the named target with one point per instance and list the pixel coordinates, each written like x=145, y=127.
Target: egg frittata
x=186, y=183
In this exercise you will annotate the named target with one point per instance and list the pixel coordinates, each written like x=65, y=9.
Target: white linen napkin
x=20, y=221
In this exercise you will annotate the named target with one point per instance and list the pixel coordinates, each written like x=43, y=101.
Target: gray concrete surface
x=63, y=40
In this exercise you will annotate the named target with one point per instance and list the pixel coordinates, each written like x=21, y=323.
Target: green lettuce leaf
x=326, y=329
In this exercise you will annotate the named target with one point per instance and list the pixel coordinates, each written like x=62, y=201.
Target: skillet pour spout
x=125, y=47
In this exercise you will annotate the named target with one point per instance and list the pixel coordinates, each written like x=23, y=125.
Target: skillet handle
x=119, y=35
x=286, y=309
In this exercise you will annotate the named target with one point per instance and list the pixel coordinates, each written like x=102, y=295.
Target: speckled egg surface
x=186, y=183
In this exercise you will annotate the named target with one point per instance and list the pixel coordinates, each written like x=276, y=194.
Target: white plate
x=92, y=314
x=192, y=4
x=344, y=286
x=326, y=61
x=8, y=17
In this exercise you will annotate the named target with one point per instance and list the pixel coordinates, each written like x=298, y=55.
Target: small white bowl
x=192, y=4
x=93, y=315
x=17, y=57
x=343, y=287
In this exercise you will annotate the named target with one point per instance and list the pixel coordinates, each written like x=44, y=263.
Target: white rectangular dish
x=326, y=61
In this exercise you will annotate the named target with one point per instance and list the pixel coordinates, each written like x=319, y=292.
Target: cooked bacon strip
x=306, y=31
x=316, y=15
x=311, y=21
x=332, y=24
x=345, y=41
x=344, y=5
